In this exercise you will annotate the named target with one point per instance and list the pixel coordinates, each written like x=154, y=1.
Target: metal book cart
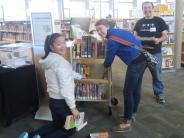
x=112, y=101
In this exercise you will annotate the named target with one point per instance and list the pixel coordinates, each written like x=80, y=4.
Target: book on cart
x=103, y=134
x=75, y=123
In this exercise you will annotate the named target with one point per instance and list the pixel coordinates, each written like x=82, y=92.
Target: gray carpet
x=153, y=120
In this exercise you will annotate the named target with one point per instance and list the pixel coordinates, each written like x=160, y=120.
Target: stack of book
x=75, y=123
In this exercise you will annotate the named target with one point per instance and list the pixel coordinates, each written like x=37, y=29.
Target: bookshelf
x=87, y=59
x=65, y=28
x=127, y=24
x=182, y=52
x=13, y=31
x=168, y=46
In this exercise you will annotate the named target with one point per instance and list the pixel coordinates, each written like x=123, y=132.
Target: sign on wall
x=42, y=26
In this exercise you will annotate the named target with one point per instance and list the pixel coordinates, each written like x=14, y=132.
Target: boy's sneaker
x=160, y=99
x=24, y=135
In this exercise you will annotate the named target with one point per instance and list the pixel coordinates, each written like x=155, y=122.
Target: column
x=60, y=9
x=178, y=30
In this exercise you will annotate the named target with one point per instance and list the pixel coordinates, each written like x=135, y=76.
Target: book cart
x=87, y=59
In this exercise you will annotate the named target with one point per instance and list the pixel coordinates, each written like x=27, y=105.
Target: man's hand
x=156, y=40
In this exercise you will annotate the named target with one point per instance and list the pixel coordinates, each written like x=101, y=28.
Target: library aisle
x=153, y=120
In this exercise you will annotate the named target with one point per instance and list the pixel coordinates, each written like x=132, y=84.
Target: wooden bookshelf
x=15, y=31
x=93, y=81
x=89, y=61
x=66, y=28
x=168, y=44
x=91, y=100
x=168, y=56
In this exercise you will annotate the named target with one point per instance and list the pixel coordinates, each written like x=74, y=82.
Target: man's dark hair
x=147, y=2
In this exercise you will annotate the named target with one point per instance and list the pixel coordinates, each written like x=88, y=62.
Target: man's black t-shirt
x=151, y=28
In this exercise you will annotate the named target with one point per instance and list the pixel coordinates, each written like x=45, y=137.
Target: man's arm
x=162, y=38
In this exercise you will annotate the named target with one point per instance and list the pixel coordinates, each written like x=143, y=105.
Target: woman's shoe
x=124, y=127
x=121, y=116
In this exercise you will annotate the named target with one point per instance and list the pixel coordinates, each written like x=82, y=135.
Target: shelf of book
x=93, y=81
x=168, y=67
x=91, y=100
x=66, y=28
x=168, y=44
x=4, y=42
x=168, y=56
x=87, y=59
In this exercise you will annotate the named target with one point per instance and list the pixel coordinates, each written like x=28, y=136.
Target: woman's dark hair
x=104, y=22
x=147, y=2
x=107, y=23
x=50, y=39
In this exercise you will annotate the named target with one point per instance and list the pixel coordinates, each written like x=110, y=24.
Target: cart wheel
x=114, y=101
x=110, y=110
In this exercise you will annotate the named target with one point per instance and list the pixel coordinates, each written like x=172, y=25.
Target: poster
x=42, y=26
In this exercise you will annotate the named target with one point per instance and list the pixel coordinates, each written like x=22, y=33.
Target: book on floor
x=75, y=123
x=103, y=134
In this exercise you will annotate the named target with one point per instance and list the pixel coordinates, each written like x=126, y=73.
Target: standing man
x=152, y=31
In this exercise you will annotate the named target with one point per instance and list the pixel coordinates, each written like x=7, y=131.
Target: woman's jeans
x=133, y=82
x=132, y=88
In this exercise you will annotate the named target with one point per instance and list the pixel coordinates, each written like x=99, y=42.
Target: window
x=101, y=8
x=75, y=8
x=11, y=12
x=122, y=8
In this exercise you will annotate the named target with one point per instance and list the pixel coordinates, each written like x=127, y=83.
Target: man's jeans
x=156, y=73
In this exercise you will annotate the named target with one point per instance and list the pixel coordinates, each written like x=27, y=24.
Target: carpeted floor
x=153, y=120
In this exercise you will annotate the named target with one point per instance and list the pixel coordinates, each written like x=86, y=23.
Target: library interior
x=91, y=68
